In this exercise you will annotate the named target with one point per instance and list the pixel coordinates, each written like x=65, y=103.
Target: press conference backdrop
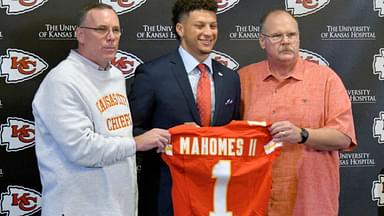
x=346, y=35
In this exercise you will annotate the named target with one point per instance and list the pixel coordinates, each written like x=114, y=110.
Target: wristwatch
x=304, y=135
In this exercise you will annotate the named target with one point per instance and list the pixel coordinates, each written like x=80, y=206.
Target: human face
x=99, y=46
x=280, y=50
x=198, y=33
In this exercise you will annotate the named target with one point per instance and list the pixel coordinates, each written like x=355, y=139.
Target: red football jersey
x=221, y=171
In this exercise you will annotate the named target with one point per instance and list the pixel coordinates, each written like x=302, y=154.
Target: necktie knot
x=202, y=69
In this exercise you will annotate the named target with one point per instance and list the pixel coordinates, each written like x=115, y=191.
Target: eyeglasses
x=103, y=30
x=275, y=38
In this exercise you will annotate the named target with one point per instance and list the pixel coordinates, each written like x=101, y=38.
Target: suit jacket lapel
x=181, y=76
x=218, y=78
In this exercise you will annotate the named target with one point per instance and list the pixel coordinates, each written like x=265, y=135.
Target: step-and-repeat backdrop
x=346, y=35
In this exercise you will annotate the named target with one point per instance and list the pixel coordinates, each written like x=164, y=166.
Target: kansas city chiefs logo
x=123, y=6
x=19, y=65
x=127, y=63
x=378, y=5
x=224, y=5
x=15, y=7
x=378, y=64
x=378, y=190
x=313, y=57
x=17, y=134
x=224, y=59
x=301, y=8
x=378, y=127
x=20, y=201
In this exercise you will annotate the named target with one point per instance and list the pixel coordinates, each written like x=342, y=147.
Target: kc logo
x=378, y=190
x=313, y=57
x=123, y=6
x=224, y=5
x=19, y=201
x=18, y=66
x=301, y=8
x=378, y=5
x=17, y=134
x=127, y=63
x=224, y=59
x=15, y=7
x=378, y=64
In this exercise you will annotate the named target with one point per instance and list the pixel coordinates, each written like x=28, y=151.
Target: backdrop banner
x=346, y=35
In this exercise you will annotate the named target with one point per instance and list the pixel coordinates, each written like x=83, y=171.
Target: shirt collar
x=190, y=63
x=298, y=71
x=89, y=62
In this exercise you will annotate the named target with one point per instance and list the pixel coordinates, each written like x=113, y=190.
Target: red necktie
x=203, y=96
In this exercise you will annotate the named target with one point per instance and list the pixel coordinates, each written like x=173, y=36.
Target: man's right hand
x=155, y=138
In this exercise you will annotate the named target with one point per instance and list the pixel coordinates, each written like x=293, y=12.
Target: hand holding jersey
x=286, y=132
x=325, y=139
x=155, y=138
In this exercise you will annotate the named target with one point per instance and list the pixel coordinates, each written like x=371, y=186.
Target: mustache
x=285, y=49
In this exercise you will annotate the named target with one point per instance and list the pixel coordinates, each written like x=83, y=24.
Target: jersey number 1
x=222, y=172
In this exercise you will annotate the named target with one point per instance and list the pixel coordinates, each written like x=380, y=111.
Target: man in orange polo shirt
x=311, y=115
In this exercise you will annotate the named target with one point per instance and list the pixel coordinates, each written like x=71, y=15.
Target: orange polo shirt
x=305, y=182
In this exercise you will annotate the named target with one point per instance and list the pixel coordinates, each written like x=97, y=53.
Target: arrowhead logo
x=18, y=134
x=225, y=5
x=20, y=201
x=301, y=8
x=313, y=57
x=224, y=59
x=127, y=63
x=19, y=65
x=123, y=6
x=16, y=7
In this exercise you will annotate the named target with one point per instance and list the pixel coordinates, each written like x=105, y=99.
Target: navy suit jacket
x=161, y=97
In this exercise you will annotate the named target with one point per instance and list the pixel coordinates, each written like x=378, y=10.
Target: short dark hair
x=266, y=15
x=183, y=7
x=86, y=8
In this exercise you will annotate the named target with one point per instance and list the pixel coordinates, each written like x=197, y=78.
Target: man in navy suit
x=163, y=95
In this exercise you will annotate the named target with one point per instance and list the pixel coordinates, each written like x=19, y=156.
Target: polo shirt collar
x=298, y=71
